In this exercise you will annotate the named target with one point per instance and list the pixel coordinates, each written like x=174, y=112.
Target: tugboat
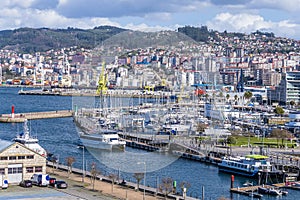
x=29, y=141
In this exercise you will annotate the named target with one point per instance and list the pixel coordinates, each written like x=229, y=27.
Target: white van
x=3, y=182
x=40, y=179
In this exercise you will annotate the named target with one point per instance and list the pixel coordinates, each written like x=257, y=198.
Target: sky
x=245, y=16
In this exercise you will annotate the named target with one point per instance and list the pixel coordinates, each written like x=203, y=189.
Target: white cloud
x=238, y=22
x=247, y=23
x=145, y=27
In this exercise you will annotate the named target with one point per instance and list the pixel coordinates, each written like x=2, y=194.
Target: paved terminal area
x=76, y=190
x=73, y=192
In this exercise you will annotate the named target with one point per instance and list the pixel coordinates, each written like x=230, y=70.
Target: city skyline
x=279, y=17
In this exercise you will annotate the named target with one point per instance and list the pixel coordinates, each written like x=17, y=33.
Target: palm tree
x=113, y=178
x=138, y=176
x=227, y=97
x=235, y=99
x=94, y=174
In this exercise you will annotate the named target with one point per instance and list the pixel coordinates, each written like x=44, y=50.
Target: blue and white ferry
x=248, y=166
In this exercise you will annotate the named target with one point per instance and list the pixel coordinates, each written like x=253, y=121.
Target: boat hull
x=101, y=145
x=237, y=171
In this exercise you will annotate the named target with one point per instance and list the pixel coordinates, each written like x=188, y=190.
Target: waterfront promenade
x=103, y=188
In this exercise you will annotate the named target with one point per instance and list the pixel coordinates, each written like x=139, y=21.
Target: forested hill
x=29, y=40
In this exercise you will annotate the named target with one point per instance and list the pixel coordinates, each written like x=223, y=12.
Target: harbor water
x=59, y=136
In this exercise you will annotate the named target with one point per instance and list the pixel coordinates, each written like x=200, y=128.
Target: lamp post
x=83, y=171
x=144, y=177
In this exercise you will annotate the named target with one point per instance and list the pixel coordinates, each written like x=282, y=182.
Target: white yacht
x=94, y=136
x=29, y=141
x=103, y=139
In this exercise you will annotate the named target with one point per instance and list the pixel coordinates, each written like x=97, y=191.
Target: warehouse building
x=17, y=162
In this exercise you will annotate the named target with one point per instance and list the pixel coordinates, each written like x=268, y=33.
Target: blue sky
x=278, y=16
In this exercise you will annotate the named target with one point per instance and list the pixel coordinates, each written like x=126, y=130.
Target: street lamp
x=83, y=171
x=144, y=177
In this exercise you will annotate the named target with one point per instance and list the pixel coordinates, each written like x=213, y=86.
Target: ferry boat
x=29, y=141
x=248, y=166
x=94, y=136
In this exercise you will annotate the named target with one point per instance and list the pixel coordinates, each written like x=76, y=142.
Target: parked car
x=52, y=182
x=26, y=183
x=61, y=184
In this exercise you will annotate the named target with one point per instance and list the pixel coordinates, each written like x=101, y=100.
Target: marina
x=197, y=173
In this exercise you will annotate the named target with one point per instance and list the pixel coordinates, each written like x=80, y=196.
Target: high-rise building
x=288, y=89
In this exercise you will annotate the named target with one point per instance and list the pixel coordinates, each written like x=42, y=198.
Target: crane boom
x=102, y=83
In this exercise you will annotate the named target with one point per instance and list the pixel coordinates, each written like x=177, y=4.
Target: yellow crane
x=102, y=83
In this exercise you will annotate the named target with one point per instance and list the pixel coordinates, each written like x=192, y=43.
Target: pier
x=253, y=190
x=92, y=93
x=21, y=117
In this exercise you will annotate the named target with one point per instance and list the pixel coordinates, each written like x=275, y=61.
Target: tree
x=138, y=176
x=292, y=103
x=201, y=127
x=94, y=174
x=113, y=178
x=186, y=185
x=231, y=140
x=279, y=110
x=54, y=161
x=166, y=186
x=206, y=96
x=227, y=97
x=235, y=97
x=248, y=95
x=280, y=134
x=70, y=161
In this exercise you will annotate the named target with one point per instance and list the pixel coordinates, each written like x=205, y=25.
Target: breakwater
x=21, y=117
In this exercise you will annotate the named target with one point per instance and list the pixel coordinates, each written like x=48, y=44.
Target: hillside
x=29, y=40
x=137, y=39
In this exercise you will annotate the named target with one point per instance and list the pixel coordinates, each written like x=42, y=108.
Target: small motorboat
x=271, y=191
x=247, y=183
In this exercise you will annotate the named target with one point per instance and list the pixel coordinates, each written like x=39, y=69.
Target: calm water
x=59, y=136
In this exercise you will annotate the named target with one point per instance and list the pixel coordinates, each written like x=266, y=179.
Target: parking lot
x=74, y=191
x=17, y=192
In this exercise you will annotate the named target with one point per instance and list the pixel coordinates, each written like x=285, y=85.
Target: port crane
x=102, y=83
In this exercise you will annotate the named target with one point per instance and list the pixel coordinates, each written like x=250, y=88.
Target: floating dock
x=253, y=190
x=20, y=117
